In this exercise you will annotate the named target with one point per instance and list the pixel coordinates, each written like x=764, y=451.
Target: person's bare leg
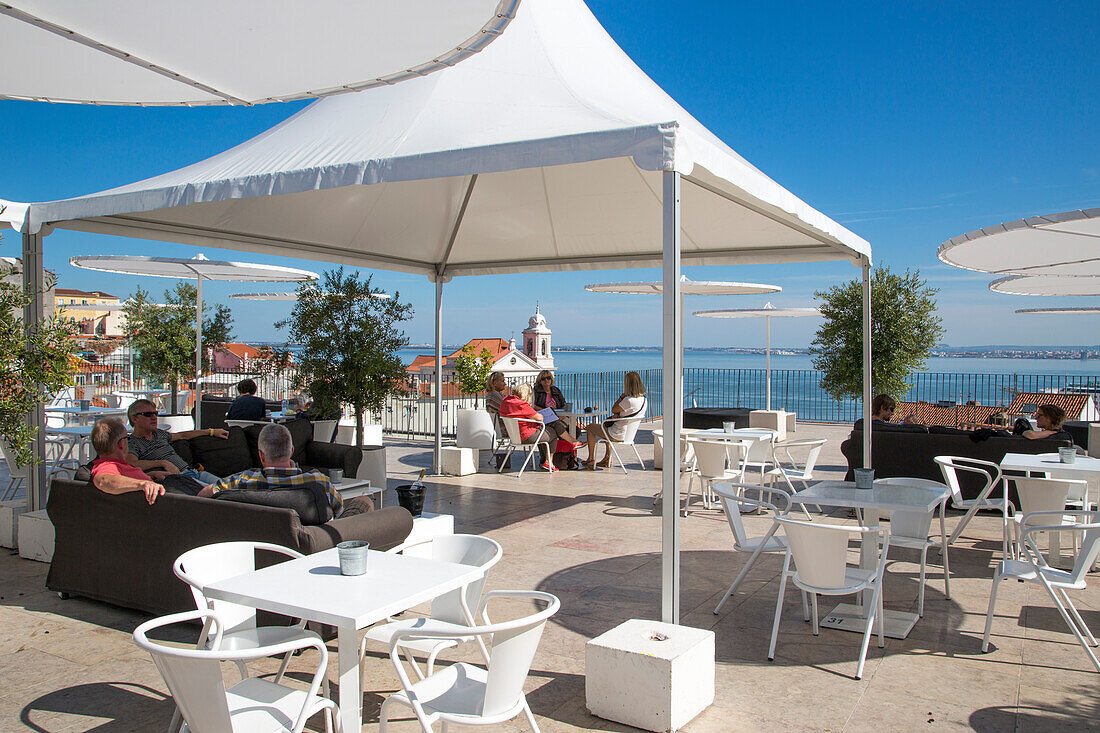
x=591, y=437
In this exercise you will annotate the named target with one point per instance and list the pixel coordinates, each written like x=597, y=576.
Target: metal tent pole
x=437, y=454
x=672, y=398
x=867, y=364
x=198, y=358
x=34, y=278
x=768, y=362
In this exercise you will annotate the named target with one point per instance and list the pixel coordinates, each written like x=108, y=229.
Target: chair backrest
x=514, y=646
x=193, y=676
x=711, y=456
x=1077, y=521
x=820, y=551
x=909, y=524
x=811, y=457
x=1044, y=494
x=759, y=446
x=630, y=427
x=9, y=460
x=732, y=496
x=511, y=427
x=181, y=401
x=64, y=398
x=951, y=465
x=210, y=563
x=463, y=549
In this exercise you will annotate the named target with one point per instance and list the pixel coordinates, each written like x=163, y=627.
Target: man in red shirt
x=111, y=472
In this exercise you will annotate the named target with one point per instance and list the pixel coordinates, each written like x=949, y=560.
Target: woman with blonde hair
x=631, y=403
x=518, y=404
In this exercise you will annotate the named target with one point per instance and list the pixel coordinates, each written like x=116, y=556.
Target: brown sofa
x=120, y=550
x=911, y=452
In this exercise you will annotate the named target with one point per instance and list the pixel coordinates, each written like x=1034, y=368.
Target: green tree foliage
x=904, y=328
x=34, y=363
x=472, y=370
x=349, y=343
x=163, y=335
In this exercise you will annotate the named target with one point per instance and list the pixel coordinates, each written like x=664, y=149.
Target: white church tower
x=536, y=341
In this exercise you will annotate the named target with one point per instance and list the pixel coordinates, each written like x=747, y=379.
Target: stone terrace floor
x=593, y=539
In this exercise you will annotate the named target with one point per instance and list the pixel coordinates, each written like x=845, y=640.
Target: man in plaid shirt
x=279, y=471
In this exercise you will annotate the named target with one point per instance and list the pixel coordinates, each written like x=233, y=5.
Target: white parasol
x=1055, y=244
x=288, y=297
x=1047, y=284
x=209, y=52
x=768, y=312
x=1070, y=311
x=198, y=268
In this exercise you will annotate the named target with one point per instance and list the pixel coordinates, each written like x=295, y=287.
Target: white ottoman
x=35, y=536
x=772, y=419
x=458, y=461
x=650, y=675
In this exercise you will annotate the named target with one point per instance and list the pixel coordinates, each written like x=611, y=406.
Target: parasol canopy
x=1055, y=244
x=1074, y=311
x=288, y=297
x=1047, y=284
x=687, y=287
x=768, y=312
x=208, y=52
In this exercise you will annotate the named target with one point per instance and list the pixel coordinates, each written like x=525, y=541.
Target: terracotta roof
x=930, y=414
x=450, y=390
x=1073, y=404
x=71, y=293
x=497, y=347
x=84, y=366
x=241, y=351
x=423, y=360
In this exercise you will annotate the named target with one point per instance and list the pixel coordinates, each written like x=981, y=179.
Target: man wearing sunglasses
x=151, y=447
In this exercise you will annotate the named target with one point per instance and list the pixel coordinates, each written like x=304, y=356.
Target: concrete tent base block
x=651, y=675
x=36, y=536
x=9, y=521
x=772, y=419
x=458, y=461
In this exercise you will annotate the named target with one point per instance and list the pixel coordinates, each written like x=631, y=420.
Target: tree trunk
x=175, y=391
x=358, y=426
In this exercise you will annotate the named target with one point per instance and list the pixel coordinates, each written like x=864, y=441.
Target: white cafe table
x=312, y=588
x=570, y=417
x=79, y=436
x=92, y=413
x=874, y=502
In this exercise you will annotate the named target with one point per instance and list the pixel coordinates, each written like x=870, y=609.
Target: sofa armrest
x=383, y=529
x=333, y=455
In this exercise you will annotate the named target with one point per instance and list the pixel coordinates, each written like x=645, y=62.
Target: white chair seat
x=384, y=633
x=774, y=544
x=1023, y=570
x=283, y=704
x=855, y=580
x=262, y=636
x=457, y=690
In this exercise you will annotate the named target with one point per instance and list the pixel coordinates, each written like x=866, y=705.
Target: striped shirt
x=273, y=477
x=157, y=447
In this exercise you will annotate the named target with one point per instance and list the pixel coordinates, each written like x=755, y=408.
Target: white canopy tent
x=1065, y=285
x=549, y=150
x=1069, y=311
x=207, y=52
x=1054, y=244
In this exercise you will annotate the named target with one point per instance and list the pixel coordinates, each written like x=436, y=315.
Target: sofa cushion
x=183, y=448
x=946, y=430
x=301, y=432
x=892, y=427
x=221, y=456
x=309, y=501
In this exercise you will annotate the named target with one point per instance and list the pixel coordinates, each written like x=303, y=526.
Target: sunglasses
x=147, y=414
x=548, y=379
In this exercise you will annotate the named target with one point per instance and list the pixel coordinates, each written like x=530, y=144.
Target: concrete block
x=36, y=536
x=772, y=419
x=9, y=521
x=1094, y=439
x=651, y=675
x=458, y=461
x=792, y=422
x=426, y=526
x=658, y=452
x=372, y=434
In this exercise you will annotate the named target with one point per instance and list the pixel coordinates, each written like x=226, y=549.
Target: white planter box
x=458, y=461
x=474, y=429
x=651, y=675
x=36, y=536
x=9, y=521
x=372, y=434
x=772, y=419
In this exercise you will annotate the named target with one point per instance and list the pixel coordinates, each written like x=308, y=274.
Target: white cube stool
x=459, y=461
x=772, y=419
x=651, y=675
x=792, y=422
x=36, y=536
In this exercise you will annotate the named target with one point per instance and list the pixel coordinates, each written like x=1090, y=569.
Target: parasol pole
x=198, y=356
x=768, y=362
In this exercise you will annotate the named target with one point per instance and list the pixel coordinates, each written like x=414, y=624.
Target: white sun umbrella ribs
x=197, y=268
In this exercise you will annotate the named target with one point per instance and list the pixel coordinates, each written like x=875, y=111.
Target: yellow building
x=82, y=309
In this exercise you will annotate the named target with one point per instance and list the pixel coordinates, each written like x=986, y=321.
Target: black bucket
x=411, y=497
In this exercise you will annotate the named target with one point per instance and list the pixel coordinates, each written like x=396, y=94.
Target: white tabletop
x=279, y=415
x=1049, y=462
x=881, y=497
x=312, y=587
x=89, y=411
x=79, y=430
x=143, y=392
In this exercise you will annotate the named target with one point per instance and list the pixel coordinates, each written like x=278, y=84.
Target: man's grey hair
x=275, y=442
x=136, y=406
x=106, y=434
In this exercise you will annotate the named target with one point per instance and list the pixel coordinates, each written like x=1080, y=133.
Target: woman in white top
x=631, y=403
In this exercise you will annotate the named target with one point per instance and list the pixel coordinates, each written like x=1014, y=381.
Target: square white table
x=79, y=437
x=83, y=416
x=350, y=488
x=312, y=588
x=873, y=502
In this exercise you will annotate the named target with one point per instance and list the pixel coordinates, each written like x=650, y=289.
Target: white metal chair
x=990, y=472
x=254, y=704
x=716, y=460
x=911, y=530
x=734, y=502
x=511, y=427
x=17, y=475
x=210, y=563
x=1041, y=495
x=630, y=431
x=791, y=470
x=467, y=694
x=1033, y=569
x=686, y=461
x=452, y=610
x=820, y=554
x=760, y=456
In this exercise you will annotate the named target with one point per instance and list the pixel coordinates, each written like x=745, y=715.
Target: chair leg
x=943, y=554
x=989, y=614
x=617, y=459
x=962, y=523
x=744, y=571
x=1069, y=622
x=1077, y=616
x=867, y=634
x=923, y=572
x=530, y=716
x=813, y=608
x=779, y=605
x=638, y=456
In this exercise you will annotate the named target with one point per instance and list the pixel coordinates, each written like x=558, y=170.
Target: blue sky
x=908, y=122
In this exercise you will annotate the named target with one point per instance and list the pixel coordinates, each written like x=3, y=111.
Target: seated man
x=247, y=406
x=111, y=472
x=882, y=412
x=1048, y=422
x=278, y=472
x=150, y=447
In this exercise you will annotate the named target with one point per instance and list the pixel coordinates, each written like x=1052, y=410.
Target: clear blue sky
x=909, y=122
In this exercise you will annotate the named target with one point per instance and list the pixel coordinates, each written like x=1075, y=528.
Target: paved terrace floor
x=593, y=539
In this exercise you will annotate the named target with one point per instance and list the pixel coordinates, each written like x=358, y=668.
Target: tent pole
x=867, y=364
x=198, y=358
x=768, y=362
x=672, y=398
x=437, y=454
x=34, y=279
